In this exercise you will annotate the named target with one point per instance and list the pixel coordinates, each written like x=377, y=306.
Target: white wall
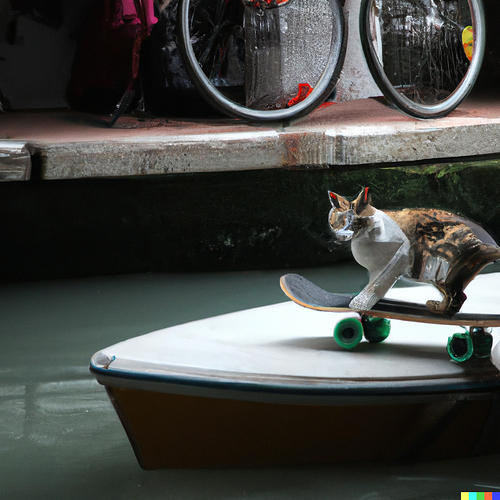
x=355, y=81
x=35, y=69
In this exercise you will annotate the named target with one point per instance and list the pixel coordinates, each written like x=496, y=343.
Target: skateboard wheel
x=376, y=329
x=348, y=333
x=460, y=347
x=482, y=342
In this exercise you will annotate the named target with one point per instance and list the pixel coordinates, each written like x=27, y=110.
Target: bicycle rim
x=431, y=78
x=205, y=63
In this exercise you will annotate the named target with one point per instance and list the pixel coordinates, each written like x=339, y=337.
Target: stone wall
x=215, y=221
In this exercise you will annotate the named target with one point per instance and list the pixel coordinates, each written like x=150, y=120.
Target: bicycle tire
x=397, y=98
x=320, y=92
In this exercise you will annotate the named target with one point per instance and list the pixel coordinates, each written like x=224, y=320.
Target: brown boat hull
x=172, y=430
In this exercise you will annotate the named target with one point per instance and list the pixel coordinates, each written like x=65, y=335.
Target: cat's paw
x=444, y=307
x=435, y=306
x=363, y=302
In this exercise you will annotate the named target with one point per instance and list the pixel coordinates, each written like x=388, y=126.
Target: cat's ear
x=338, y=202
x=363, y=200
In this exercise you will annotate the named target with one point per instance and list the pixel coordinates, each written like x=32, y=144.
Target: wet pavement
x=68, y=145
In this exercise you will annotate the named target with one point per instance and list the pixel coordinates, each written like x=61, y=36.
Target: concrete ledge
x=363, y=132
x=15, y=161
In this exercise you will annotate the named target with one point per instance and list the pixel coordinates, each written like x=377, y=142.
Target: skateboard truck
x=349, y=332
x=374, y=325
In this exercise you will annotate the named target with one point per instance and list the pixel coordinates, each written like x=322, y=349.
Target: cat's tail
x=495, y=254
x=485, y=255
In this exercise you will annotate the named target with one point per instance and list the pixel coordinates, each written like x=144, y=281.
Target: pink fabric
x=129, y=13
x=150, y=14
x=126, y=13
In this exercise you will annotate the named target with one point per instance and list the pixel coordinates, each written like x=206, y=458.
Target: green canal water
x=60, y=437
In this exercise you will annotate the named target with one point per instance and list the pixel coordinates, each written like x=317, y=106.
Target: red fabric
x=327, y=104
x=304, y=90
x=266, y=3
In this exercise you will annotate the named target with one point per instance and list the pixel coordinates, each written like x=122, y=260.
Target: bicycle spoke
x=261, y=58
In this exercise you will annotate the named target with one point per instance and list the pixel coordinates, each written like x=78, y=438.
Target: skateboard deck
x=307, y=294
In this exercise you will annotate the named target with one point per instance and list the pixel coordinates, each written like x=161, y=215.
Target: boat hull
x=174, y=430
x=270, y=386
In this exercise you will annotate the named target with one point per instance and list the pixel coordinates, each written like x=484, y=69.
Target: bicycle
x=420, y=52
x=269, y=60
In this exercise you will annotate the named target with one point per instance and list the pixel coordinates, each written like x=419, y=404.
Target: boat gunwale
x=303, y=390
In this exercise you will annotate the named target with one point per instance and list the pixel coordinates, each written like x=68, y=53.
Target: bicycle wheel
x=418, y=51
x=262, y=59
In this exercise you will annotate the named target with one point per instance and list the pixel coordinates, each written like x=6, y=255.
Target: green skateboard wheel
x=460, y=347
x=348, y=333
x=482, y=341
x=376, y=329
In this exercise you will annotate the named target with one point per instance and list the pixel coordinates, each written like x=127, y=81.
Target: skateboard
x=374, y=324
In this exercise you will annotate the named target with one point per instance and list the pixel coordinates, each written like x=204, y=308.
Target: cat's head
x=344, y=214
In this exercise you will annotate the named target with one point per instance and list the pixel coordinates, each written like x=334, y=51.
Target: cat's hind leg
x=462, y=273
x=453, y=299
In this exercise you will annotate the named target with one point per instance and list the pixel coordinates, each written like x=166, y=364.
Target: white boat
x=270, y=386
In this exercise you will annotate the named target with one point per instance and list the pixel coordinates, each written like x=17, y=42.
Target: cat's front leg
x=365, y=300
x=382, y=282
x=371, y=294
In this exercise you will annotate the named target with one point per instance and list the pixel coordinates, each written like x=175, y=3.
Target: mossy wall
x=214, y=221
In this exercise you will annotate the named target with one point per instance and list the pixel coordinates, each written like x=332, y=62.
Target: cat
x=427, y=245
